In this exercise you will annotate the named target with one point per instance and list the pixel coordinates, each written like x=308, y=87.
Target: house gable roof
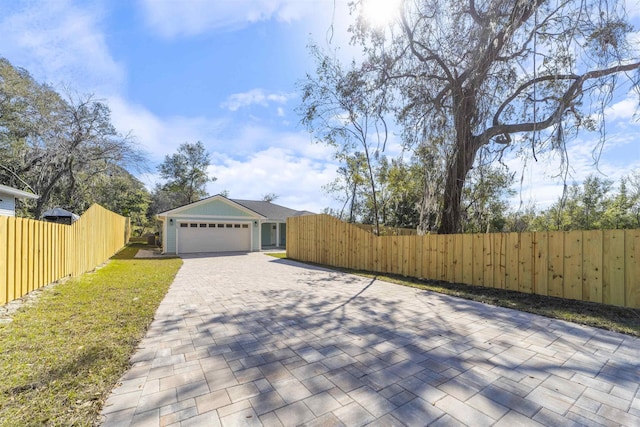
x=5, y=189
x=251, y=208
x=270, y=210
x=200, y=208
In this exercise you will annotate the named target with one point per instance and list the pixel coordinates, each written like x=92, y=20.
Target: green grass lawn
x=619, y=319
x=280, y=255
x=62, y=355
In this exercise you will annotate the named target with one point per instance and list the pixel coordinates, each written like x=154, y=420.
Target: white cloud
x=622, y=110
x=171, y=18
x=632, y=8
x=60, y=43
x=243, y=141
x=296, y=180
x=250, y=162
x=541, y=180
x=256, y=97
x=162, y=136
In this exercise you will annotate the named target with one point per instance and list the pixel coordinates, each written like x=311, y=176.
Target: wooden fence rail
x=36, y=253
x=600, y=266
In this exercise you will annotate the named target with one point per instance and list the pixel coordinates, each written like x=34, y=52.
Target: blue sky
x=224, y=72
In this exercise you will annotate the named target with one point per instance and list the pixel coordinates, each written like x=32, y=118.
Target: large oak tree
x=64, y=148
x=471, y=75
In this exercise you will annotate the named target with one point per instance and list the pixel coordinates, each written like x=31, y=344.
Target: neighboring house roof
x=60, y=213
x=270, y=210
x=5, y=189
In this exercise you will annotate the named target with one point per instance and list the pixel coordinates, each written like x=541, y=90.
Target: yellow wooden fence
x=601, y=266
x=36, y=253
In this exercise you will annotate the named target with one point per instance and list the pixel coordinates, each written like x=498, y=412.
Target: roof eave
x=17, y=193
x=208, y=199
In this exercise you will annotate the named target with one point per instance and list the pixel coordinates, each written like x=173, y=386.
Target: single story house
x=219, y=224
x=8, y=196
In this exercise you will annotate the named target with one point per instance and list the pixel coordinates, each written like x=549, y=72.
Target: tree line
x=598, y=203
x=487, y=200
x=64, y=148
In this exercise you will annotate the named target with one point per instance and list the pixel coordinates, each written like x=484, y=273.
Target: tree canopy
x=596, y=204
x=469, y=77
x=343, y=110
x=63, y=148
x=185, y=174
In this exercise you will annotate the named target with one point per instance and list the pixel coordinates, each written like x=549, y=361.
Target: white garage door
x=213, y=237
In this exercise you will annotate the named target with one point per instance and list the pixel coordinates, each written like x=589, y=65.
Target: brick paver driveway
x=248, y=339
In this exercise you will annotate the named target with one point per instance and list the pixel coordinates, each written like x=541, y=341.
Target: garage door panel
x=214, y=238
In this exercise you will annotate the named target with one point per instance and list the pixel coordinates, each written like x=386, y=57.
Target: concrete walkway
x=250, y=340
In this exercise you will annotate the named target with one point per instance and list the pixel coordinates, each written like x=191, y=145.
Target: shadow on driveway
x=259, y=341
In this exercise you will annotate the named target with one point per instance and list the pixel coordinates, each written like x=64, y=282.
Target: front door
x=274, y=234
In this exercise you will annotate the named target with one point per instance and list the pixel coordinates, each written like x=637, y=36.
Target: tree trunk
x=461, y=163
x=353, y=202
x=45, y=194
x=456, y=176
x=372, y=181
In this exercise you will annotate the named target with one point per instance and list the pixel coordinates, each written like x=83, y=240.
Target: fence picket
x=441, y=256
x=541, y=263
x=478, y=259
x=4, y=258
x=414, y=256
x=573, y=265
x=453, y=247
x=500, y=260
x=525, y=272
x=632, y=268
x=17, y=272
x=466, y=275
x=613, y=268
x=425, y=268
x=556, y=263
x=488, y=267
x=404, y=248
x=30, y=254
